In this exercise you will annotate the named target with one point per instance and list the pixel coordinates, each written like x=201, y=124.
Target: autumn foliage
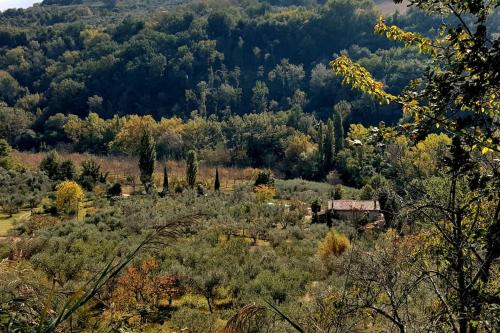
x=69, y=195
x=334, y=244
x=143, y=289
x=265, y=192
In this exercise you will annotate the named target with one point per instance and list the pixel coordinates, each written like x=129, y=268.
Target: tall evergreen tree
x=191, y=168
x=341, y=110
x=259, y=97
x=50, y=165
x=329, y=147
x=165, y=181
x=147, y=160
x=5, y=150
x=217, y=180
x=321, y=143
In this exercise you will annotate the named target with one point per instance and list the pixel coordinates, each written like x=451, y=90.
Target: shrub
x=50, y=165
x=200, y=189
x=68, y=197
x=115, y=190
x=178, y=188
x=264, y=178
x=35, y=223
x=194, y=321
x=91, y=174
x=20, y=188
x=5, y=159
x=57, y=170
x=11, y=203
x=367, y=192
x=334, y=244
x=67, y=171
x=5, y=148
x=265, y=193
x=337, y=194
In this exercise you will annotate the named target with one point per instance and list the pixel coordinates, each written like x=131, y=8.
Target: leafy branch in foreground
x=460, y=93
x=240, y=321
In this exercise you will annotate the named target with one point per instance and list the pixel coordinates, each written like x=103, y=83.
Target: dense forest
x=250, y=166
x=207, y=60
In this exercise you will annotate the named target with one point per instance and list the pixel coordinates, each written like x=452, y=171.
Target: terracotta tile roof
x=350, y=205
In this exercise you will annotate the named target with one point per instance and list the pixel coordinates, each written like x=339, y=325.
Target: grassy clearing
x=7, y=222
x=125, y=170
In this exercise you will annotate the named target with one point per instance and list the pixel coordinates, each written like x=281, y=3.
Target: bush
x=50, y=165
x=265, y=193
x=178, y=188
x=52, y=210
x=337, y=194
x=5, y=159
x=91, y=174
x=69, y=196
x=21, y=188
x=5, y=148
x=264, y=178
x=367, y=193
x=115, y=190
x=11, y=203
x=200, y=189
x=67, y=171
x=303, y=190
x=334, y=244
x=57, y=170
x=194, y=320
x=34, y=223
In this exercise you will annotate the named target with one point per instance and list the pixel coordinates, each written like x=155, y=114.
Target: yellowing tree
x=334, y=244
x=174, y=125
x=298, y=146
x=68, y=197
x=358, y=132
x=428, y=154
x=265, y=193
x=92, y=37
x=129, y=138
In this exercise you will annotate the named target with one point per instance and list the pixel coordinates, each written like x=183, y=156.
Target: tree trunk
x=209, y=304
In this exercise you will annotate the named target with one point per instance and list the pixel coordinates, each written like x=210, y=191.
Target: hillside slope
x=388, y=7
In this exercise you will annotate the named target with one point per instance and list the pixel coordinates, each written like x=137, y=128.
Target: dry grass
x=5, y=226
x=125, y=169
x=6, y=222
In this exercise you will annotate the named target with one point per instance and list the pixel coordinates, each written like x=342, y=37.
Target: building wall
x=357, y=215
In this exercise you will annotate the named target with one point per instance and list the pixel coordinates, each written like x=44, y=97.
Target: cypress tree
x=341, y=110
x=329, y=146
x=5, y=148
x=217, y=180
x=339, y=132
x=50, y=165
x=165, y=181
x=147, y=160
x=321, y=143
x=191, y=168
